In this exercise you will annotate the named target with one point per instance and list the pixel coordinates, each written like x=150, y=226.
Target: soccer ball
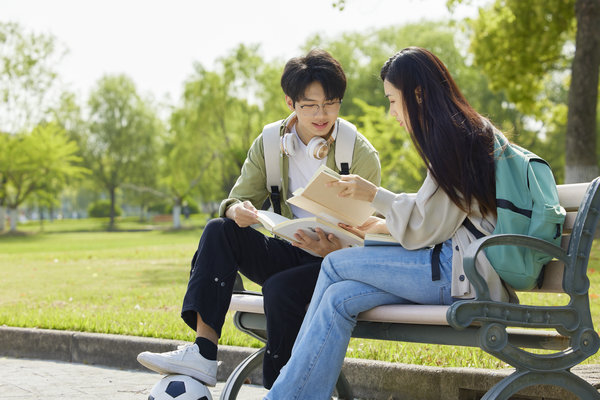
x=179, y=387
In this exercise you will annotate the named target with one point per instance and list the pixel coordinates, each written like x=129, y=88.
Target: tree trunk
x=13, y=214
x=177, y=214
x=111, y=224
x=2, y=218
x=143, y=212
x=41, y=211
x=581, y=160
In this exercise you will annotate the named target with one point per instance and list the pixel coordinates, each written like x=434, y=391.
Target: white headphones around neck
x=317, y=148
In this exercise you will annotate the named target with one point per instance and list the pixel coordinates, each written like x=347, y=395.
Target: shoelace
x=183, y=348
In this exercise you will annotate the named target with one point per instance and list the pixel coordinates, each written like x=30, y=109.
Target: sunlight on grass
x=133, y=282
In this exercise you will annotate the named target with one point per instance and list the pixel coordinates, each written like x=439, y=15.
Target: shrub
x=167, y=207
x=101, y=208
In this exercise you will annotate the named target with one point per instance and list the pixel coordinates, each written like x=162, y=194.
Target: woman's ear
x=419, y=95
x=289, y=102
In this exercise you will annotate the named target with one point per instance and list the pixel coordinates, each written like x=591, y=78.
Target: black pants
x=288, y=276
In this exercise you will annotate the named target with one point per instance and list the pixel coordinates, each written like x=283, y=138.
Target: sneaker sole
x=165, y=368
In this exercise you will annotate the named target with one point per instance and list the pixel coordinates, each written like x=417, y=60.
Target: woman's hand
x=244, y=214
x=355, y=187
x=372, y=225
x=324, y=245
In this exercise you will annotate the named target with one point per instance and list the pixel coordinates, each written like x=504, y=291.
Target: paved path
x=27, y=379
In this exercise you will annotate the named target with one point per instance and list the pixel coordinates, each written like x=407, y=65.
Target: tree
x=41, y=163
x=28, y=85
x=28, y=77
x=211, y=131
x=525, y=47
x=4, y=166
x=120, y=144
x=188, y=161
x=581, y=146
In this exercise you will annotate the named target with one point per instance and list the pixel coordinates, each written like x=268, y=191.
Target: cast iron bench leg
x=239, y=375
x=254, y=361
x=518, y=380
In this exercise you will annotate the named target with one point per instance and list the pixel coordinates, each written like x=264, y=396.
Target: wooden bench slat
x=553, y=278
x=399, y=313
x=569, y=222
x=407, y=314
x=247, y=303
x=570, y=195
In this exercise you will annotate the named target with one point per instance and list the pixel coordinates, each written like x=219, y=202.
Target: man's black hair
x=318, y=65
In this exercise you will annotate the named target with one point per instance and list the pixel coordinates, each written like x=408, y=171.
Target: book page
x=321, y=200
x=287, y=230
x=318, y=210
x=269, y=219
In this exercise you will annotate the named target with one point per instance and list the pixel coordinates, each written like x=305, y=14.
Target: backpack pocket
x=546, y=223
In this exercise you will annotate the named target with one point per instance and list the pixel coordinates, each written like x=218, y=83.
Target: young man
x=314, y=86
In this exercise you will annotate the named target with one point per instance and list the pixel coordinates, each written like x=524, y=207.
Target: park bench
x=504, y=330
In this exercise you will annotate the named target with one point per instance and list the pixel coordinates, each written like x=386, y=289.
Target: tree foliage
x=517, y=43
x=41, y=162
x=215, y=125
x=528, y=49
x=121, y=141
x=28, y=77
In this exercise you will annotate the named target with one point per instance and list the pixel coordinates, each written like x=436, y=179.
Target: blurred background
x=146, y=109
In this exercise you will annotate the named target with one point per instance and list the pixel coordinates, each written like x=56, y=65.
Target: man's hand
x=244, y=214
x=324, y=245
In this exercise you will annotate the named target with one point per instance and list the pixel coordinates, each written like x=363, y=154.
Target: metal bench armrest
x=481, y=288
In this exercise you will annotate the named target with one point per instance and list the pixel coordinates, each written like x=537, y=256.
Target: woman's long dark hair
x=455, y=142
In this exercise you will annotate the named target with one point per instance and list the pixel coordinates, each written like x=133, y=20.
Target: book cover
x=325, y=203
x=380, y=239
x=286, y=228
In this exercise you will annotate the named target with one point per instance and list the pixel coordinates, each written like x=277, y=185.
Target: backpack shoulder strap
x=344, y=145
x=271, y=147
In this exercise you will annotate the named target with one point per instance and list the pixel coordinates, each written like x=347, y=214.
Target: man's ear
x=289, y=102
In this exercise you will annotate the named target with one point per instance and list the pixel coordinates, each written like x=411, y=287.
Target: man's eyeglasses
x=328, y=107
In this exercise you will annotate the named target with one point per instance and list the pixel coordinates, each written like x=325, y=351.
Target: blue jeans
x=351, y=281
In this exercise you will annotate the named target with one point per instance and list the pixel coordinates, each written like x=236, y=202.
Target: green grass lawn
x=75, y=277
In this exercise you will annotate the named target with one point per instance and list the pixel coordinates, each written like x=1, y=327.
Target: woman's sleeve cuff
x=383, y=200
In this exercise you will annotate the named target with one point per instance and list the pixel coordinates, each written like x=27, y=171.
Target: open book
x=325, y=203
x=286, y=228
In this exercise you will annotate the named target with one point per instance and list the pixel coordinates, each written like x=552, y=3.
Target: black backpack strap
x=345, y=170
x=275, y=199
x=474, y=231
x=435, y=262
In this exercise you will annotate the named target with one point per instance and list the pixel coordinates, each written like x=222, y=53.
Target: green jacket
x=251, y=184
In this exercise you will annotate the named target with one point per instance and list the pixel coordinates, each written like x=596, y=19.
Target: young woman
x=456, y=144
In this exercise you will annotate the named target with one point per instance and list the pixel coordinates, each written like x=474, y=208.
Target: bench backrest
x=579, y=200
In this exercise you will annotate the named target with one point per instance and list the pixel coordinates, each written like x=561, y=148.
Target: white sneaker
x=186, y=360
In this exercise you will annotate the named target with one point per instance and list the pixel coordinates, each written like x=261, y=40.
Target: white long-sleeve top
x=429, y=217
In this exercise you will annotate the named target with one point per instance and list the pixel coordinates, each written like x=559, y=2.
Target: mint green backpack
x=527, y=203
